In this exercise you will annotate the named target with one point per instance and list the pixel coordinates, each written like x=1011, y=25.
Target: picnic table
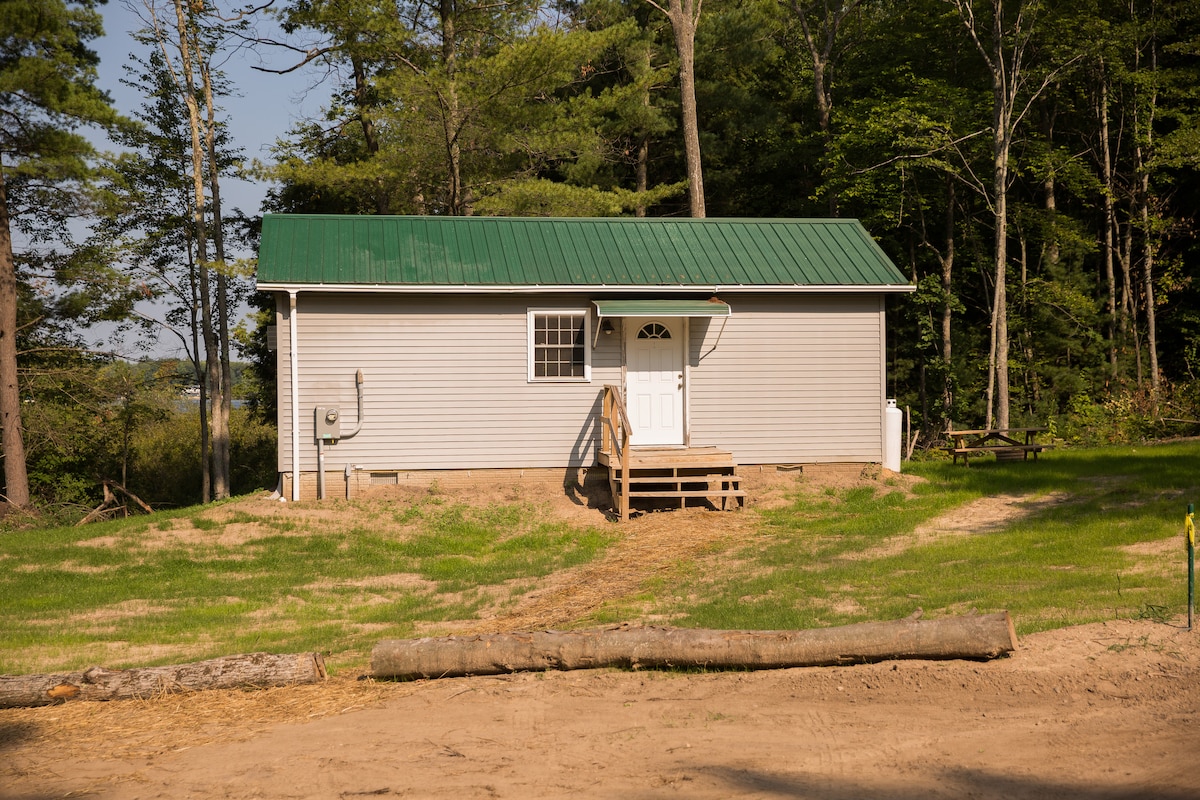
x=1008, y=444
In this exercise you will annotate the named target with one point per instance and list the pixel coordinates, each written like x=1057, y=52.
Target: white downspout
x=295, y=378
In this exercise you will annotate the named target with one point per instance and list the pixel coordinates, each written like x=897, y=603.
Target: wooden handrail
x=615, y=423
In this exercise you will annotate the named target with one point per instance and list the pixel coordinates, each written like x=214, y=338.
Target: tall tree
x=1005, y=39
x=152, y=223
x=188, y=38
x=626, y=97
x=820, y=28
x=47, y=92
x=1173, y=158
x=685, y=16
x=452, y=108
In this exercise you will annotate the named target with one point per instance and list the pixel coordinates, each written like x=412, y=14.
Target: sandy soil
x=1097, y=712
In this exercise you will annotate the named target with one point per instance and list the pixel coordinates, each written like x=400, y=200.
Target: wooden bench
x=1002, y=442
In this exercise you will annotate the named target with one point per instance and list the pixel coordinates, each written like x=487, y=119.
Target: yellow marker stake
x=1191, y=548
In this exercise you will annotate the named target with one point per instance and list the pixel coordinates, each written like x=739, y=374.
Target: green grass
x=119, y=592
x=197, y=583
x=1065, y=564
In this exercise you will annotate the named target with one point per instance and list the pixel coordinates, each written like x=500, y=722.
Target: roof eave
x=394, y=288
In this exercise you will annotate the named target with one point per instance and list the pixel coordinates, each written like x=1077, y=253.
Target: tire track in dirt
x=655, y=544
x=985, y=515
x=646, y=547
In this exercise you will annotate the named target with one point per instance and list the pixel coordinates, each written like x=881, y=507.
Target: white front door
x=654, y=380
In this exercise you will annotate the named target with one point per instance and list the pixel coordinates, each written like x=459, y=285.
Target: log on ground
x=975, y=637
x=252, y=670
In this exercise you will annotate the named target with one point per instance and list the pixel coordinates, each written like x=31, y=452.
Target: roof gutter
x=398, y=288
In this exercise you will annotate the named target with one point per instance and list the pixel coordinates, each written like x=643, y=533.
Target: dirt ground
x=1098, y=712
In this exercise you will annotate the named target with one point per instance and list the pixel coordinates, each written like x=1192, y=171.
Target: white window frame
x=530, y=323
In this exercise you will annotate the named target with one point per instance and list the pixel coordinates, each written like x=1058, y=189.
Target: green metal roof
x=298, y=251
x=662, y=308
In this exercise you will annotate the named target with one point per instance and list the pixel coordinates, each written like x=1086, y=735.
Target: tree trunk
x=457, y=201
x=1110, y=222
x=947, y=262
x=1149, y=236
x=16, y=477
x=362, y=92
x=820, y=41
x=1002, y=143
x=978, y=637
x=642, y=173
x=202, y=385
x=989, y=415
x=684, y=16
x=256, y=670
x=185, y=30
x=1004, y=54
x=223, y=392
x=1030, y=381
x=1128, y=324
x=1148, y=292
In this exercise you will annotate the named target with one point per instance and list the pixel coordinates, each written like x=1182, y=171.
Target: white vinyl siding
x=792, y=379
x=785, y=379
x=445, y=384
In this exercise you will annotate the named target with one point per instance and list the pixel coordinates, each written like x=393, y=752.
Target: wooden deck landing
x=649, y=457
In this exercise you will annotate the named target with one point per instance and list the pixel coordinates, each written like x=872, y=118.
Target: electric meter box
x=327, y=423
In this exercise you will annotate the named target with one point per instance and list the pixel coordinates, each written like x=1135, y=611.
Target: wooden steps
x=676, y=474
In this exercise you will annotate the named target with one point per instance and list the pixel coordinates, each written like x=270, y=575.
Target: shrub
x=166, y=468
x=1131, y=417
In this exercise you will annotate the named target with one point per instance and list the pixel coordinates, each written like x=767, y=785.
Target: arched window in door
x=653, y=330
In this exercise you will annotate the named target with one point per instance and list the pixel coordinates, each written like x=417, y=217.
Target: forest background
x=1031, y=166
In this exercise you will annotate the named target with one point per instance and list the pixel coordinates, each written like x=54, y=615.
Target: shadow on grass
x=1167, y=466
x=1101, y=485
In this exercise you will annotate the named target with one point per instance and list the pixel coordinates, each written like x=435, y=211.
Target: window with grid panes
x=558, y=346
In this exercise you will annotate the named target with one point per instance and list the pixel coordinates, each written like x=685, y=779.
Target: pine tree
x=47, y=92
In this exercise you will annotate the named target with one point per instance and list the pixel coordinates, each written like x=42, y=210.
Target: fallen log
x=254, y=670
x=976, y=637
x=110, y=503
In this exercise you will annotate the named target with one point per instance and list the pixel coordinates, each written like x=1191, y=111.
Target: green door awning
x=662, y=308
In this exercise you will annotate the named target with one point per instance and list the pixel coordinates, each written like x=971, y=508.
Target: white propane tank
x=893, y=436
